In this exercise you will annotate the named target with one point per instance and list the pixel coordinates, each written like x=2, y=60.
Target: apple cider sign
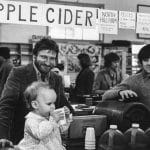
x=47, y=14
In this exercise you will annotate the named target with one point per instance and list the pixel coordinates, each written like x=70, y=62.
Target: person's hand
x=57, y=114
x=4, y=143
x=127, y=94
x=67, y=111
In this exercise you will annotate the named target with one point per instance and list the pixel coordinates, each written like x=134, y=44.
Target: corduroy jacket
x=12, y=105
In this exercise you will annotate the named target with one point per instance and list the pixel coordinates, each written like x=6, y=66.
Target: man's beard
x=43, y=68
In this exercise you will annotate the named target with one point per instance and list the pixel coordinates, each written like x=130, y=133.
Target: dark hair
x=44, y=44
x=32, y=91
x=84, y=59
x=5, y=52
x=144, y=53
x=60, y=66
x=109, y=58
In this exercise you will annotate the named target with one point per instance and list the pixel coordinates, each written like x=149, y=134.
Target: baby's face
x=46, y=102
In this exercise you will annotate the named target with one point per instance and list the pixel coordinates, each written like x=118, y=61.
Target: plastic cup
x=90, y=138
x=63, y=119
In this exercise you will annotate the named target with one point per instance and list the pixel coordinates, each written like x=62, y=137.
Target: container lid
x=135, y=125
x=113, y=126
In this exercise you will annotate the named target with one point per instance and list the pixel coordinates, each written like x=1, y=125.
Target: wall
x=13, y=33
x=22, y=33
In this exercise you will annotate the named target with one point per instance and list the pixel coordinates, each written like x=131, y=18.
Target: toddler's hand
x=57, y=115
x=67, y=112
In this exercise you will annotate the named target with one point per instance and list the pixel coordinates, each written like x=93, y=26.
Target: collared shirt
x=39, y=75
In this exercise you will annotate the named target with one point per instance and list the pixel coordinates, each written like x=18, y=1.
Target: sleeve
x=4, y=73
x=39, y=130
x=89, y=80
x=113, y=93
x=8, y=102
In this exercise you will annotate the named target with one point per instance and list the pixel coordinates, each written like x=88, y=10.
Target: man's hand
x=127, y=94
x=4, y=143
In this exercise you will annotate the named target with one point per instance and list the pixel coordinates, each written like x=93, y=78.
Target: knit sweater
x=139, y=83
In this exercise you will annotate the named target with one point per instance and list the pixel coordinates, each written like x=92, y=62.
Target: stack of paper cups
x=90, y=139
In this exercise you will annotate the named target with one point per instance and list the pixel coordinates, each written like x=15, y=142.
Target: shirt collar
x=34, y=115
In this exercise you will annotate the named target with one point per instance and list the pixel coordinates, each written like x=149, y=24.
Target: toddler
x=42, y=131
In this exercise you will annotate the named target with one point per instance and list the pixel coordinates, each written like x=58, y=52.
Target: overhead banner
x=108, y=21
x=47, y=14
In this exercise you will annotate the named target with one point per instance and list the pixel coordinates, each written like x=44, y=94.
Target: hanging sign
x=108, y=21
x=127, y=20
x=143, y=23
x=47, y=14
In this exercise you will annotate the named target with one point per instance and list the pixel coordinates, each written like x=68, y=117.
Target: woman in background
x=85, y=78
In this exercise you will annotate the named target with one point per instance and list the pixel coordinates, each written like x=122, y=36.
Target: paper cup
x=63, y=119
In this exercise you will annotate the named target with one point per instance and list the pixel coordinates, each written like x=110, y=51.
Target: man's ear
x=34, y=104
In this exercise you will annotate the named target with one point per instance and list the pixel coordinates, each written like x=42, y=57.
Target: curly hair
x=45, y=43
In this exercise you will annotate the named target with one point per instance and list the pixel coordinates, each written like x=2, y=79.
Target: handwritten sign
x=143, y=23
x=127, y=20
x=108, y=21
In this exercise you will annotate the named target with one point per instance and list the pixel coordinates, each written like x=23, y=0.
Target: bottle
x=112, y=139
x=136, y=138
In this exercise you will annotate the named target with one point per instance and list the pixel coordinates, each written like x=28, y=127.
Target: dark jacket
x=5, y=69
x=12, y=105
x=84, y=82
x=103, y=81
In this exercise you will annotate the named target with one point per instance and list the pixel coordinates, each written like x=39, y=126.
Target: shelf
x=21, y=53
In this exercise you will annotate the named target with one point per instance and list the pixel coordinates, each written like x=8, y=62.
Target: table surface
x=82, y=109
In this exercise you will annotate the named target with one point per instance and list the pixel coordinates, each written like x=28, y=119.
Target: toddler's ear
x=34, y=104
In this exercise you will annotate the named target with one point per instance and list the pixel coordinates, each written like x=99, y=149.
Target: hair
x=60, y=66
x=109, y=58
x=5, y=52
x=45, y=43
x=32, y=91
x=85, y=60
x=144, y=53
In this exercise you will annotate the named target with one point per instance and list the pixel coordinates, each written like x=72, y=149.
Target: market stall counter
x=82, y=119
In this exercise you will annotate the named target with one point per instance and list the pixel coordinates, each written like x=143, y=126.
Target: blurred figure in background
x=5, y=66
x=109, y=76
x=59, y=69
x=85, y=78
